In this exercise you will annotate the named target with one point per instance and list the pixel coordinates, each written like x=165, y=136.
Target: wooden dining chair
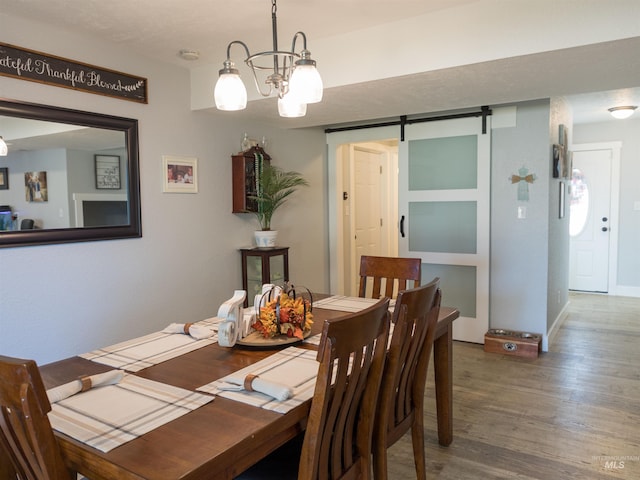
x=401, y=402
x=337, y=443
x=28, y=448
x=395, y=271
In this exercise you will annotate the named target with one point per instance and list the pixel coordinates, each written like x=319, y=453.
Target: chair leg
x=417, y=437
x=380, y=458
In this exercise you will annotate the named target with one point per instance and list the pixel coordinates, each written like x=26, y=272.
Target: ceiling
x=161, y=28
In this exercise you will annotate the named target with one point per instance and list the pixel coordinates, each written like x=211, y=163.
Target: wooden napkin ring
x=86, y=383
x=187, y=326
x=248, y=380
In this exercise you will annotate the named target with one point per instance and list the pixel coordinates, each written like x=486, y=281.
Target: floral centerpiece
x=285, y=315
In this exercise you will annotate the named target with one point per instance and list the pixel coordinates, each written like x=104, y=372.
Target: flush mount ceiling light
x=622, y=112
x=292, y=76
x=3, y=148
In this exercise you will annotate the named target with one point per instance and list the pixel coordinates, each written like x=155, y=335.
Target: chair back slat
x=401, y=403
x=390, y=273
x=338, y=440
x=26, y=438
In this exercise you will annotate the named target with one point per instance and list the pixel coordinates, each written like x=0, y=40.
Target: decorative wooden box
x=521, y=344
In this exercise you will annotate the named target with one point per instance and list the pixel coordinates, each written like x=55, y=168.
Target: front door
x=590, y=220
x=444, y=181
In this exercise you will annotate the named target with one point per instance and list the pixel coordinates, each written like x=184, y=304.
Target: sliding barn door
x=444, y=181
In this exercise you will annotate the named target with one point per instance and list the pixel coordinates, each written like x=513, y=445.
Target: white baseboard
x=557, y=323
x=624, y=291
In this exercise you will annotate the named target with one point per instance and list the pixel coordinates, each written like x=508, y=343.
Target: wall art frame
x=40, y=67
x=107, y=172
x=561, y=201
x=180, y=174
x=4, y=178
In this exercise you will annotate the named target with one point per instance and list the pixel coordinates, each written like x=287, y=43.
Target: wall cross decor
x=523, y=179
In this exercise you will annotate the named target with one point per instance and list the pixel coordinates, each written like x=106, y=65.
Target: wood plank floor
x=572, y=413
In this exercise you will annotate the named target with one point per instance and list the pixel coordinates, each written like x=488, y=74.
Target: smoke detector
x=186, y=54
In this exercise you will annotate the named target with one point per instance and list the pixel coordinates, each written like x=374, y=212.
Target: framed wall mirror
x=70, y=176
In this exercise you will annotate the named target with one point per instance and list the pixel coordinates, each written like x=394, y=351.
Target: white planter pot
x=266, y=238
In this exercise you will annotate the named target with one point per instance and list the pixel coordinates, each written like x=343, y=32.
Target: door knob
x=604, y=219
x=604, y=229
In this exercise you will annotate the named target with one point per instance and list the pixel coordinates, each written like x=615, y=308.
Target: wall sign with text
x=107, y=172
x=41, y=67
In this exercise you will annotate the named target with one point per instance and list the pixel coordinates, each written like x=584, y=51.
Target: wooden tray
x=256, y=340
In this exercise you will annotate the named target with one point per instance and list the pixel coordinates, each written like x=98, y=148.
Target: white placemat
x=344, y=303
x=293, y=367
x=107, y=417
x=148, y=350
x=348, y=304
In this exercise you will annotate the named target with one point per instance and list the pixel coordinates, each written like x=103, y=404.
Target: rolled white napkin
x=83, y=384
x=253, y=383
x=195, y=331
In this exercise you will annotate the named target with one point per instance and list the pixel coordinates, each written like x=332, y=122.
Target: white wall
x=61, y=300
x=45, y=214
x=520, y=248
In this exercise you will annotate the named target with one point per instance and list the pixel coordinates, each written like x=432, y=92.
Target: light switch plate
x=522, y=212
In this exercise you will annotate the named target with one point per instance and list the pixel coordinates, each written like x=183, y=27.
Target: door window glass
x=443, y=163
x=579, y=206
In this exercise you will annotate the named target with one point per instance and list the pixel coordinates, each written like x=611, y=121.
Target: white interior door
x=590, y=220
x=444, y=181
x=367, y=212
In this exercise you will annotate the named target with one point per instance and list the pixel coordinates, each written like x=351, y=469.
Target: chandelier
x=292, y=76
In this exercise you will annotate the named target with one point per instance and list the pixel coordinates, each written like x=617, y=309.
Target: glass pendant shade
x=306, y=83
x=3, y=148
x=230, y=93
x=289, y=106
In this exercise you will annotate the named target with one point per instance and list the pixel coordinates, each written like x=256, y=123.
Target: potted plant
x=274, y=188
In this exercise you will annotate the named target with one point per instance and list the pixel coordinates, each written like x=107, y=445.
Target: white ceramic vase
x=266, y=238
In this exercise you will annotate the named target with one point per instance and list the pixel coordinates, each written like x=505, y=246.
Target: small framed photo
x=35, y=185
x=180, y=174
x=558, y=161
x=107, y=172
x=4, y=178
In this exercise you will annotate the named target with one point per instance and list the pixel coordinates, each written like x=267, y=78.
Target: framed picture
x=35, y=186
x=558, y=161
x=563, y=140
x=107, y=172
x=180, y=174
x=562, y=200
x=4, y=178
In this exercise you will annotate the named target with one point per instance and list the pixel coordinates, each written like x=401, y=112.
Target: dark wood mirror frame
x=129, y=127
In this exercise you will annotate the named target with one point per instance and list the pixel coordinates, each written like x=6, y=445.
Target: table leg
x=443, y=368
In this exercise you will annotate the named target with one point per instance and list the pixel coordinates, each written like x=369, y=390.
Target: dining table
x=224, y=437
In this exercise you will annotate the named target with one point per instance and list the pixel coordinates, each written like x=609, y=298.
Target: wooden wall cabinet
x=245, y=169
